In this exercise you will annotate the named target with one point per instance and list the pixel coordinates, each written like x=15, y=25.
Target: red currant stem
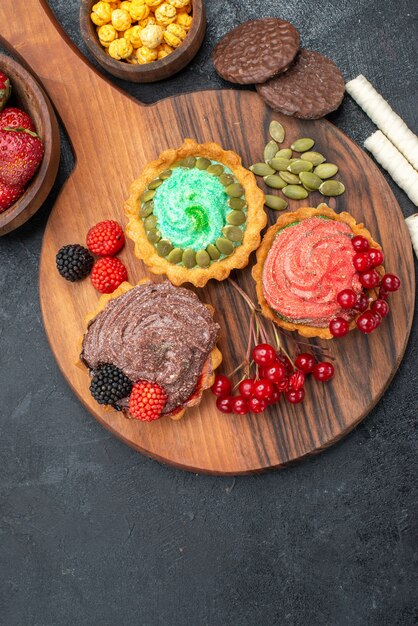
x=237, y=369
x=276, y=336
x=243, y=294
x=250, y=336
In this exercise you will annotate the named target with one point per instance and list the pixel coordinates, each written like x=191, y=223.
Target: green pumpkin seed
x=238, y=204
x=303, y=144
x=316, y=158
x=155, y=184
x=202, y=258
x=275, y=202
x=277, y=131
x=235, y=190
x=295, y=193
x=233, y=233
x=326, y=170
x=202, y=163
x=284, y=153
x=175, y=256
x=226, y=179
x=270, y=150
x=147, y=195
x=213, y=252
x=332, y=188
x=290, y=178
x=299, y=166
x=275, y=182
x=280, y=164
x=150, y=222
x=166, y=174
x=154, y=235
x=224, y=246
x=236, y=218
x=189, y=258
x=215, y=169
x=147, y=209
x=189, y=162
x=164, y=247
x=261, y=169
x=310, y=181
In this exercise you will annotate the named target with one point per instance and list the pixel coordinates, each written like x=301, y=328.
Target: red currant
x=347, y=298
x=286, y=362
x=283, y=385
x=263, y=389
x=275, y=396
x=274, y=373
x=295, y=396
x=305, y=362
x=362, y=303
x=381, y=307
x=246, y=387
x=361, y=261
x=369, y=279
x=323, y=371
x=375, y=257
x=383, y=294
x=264, y=354
x=366, y=322
x=360, y=244
x=377, y=318
x=390, y=282
x=338, y=327
x=224, y=405
x=297, y=380
x=239, y=405
x=222, y=386
x=257, y=405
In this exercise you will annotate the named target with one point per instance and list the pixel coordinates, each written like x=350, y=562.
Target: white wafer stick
x=412, y=223
x=384, y=117
x=392, y=160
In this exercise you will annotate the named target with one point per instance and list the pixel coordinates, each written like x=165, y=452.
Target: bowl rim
x=92, y=42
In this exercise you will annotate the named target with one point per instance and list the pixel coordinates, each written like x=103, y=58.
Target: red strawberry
x=21, y=152
x=106, y=238
x=147, y=401
x=8, y=195
x=107, y=274
x=5, y=90
x=16, y=118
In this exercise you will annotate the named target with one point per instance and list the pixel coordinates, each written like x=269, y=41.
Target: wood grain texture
x=113, y=138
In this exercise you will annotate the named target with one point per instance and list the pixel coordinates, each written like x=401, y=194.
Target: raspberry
x=106, y=238
x=147, y=401
x=107, y=274
x=74, y=262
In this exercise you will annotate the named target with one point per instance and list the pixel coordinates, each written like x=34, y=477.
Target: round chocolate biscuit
x=312, y=87
x=256, y=50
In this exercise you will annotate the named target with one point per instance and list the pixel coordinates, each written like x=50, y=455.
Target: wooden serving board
x=113, y=138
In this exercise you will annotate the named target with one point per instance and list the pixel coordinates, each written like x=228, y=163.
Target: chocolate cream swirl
x=154, y=332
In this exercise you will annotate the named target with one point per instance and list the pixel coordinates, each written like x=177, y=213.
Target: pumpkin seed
x=233, y=233
x=213, y=252
x=224, y=246
x=295, y=193
x=280, y=164
x=236, y=218
x=316, y=158
x=154, y=235
x=147, y=209
x=226, y=179
x=270, y=150
x=150, y=222
x=235, y=190
x=202, y=163
x=189, y=258
x=284, y=153
x=332, y=188
x=202, y=258
x=275, y=182
x=261, y=169
x=238, y=204
x=275, y=202
x=155, y=184
x=277, y=131
x=303, y=144
x=175, y=256
x=310, y=181
x=215, y=169
x=166, y=174
x=299, y=166
x=189, y=162
x=164, y=247
x=147, y=195
x=326, y=170
x=290, y=178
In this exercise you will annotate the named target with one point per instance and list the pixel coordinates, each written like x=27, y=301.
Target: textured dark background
x=93, y=533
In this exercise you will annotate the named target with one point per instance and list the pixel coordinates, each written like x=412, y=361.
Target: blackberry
x=74, y=262
x=109, y=385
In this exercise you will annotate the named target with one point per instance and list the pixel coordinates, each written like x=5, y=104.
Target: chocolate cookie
x=312, y=87
x=256, y=50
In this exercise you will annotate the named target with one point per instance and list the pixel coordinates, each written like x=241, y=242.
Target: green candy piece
x=284, y=153
x=316, y=158
x=147, y=209
x=261, y=169
x=215, y=169
x=236, y=203
x=225, y=246
x=147, y=195
x=202, y=258
x=150, y=222
x=226, y=179
x=280, y=164
x=299, y=166
x=295, y=192
x=188, y=162
x=233, y=233
x=235, y=190
x=154, y=235
x=332, y=188
x=166, y=174
x=270, y=150
x=303, y=144
x=155, y=184
x=189, y=258
x=175, y=256
x=310, y=180
x=326, y=170
x=275, y=182
x=275, y=202
x=236, y=218
x=213, y=252
x=202, y=163
x=164, y=247
x=291, y=179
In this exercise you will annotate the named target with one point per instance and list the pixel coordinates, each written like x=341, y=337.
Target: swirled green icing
x=191, y=208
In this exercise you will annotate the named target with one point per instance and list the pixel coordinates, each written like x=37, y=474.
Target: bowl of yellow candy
x=143, y=41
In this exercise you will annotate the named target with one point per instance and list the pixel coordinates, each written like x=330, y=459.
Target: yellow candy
x=107, y=34
x=186, y=9
x=101, y=13
x=163, y=51
x=165, y=14
x=178, y=4
x=120, y=49
x=133, y=35
x=132, y=59
x=152, y=36
x=177, y=30
x=121, y=20
x=153, y=4
x=126, y=6
x=147, y=22
x=139, y=10
x=171, y=40
x=184, y=20
x=145, y=55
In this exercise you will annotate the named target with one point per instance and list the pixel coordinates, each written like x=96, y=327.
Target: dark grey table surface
x=94, y=533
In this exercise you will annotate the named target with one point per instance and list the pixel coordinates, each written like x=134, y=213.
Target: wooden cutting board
x=113, y=137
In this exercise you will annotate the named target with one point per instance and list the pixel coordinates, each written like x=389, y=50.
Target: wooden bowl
x=151, y=72
x=29, y=96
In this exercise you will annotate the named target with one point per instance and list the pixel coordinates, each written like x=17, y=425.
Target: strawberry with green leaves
x=8, y=195
x=22, y=151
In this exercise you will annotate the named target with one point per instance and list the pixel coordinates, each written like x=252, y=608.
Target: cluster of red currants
x=365, y=261
x=276, y=376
